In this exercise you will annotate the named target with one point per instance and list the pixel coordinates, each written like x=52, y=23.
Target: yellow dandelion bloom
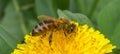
x=83, y=40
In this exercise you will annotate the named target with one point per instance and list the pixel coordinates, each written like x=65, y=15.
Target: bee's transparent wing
x=44, y=17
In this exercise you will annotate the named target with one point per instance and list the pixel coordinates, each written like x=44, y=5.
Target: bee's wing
x=65, y=20
x=46, y=17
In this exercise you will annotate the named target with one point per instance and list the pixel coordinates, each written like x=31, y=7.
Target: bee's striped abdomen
x=41, y=27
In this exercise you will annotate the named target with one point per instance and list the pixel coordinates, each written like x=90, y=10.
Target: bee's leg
x=64, y=28
x=65, y=34
x=50, y=38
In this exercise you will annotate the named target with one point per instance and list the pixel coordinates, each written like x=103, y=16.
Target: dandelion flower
x=83, y=40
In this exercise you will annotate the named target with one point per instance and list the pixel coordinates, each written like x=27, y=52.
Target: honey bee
x=51, y=24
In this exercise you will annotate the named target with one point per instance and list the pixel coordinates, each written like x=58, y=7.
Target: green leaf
x=109, y=22
x=80, y=18
x=12, y=22
x=30, y=18
x=72, y=6
x=45, y=7
x=26, y=2
x=3, y=4
x=99, y=6
x=7, y=41
x=62, y=4
x=85, y=6
x=116, y=35
x=115, y=51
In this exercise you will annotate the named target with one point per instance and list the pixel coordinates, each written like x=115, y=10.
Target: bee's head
x=71, y=28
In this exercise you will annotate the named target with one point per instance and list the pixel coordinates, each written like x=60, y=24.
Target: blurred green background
x=18, y=17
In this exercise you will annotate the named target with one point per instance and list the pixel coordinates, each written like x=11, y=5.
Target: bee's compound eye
x=71, y=28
